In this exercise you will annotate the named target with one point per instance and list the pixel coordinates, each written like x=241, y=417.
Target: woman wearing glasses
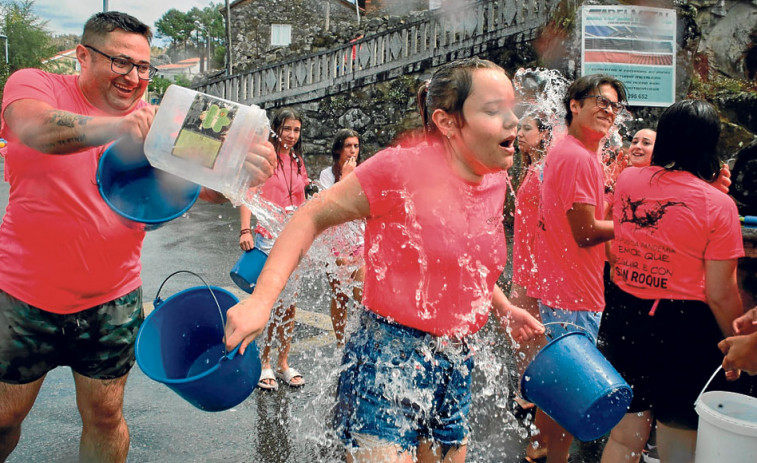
x=572, y=230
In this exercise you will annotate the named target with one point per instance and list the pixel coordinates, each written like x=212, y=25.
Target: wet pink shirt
x=286, y=188
x=62, y=249
x=434, y=244
x=570, y=277
x=524, y=226
x=667, y=224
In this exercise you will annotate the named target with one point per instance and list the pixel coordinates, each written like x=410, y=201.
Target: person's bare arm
x=53, y=131
x=523, y=325
x=587, y=230
x=246, y=240
x=722, y=292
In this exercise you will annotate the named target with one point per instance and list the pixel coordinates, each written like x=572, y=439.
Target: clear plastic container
x=205, y=139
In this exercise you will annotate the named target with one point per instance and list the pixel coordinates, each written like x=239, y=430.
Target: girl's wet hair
x=448, y=89
x=336, y=150
x=277, y=124
x=687, y=134
x=543, y=125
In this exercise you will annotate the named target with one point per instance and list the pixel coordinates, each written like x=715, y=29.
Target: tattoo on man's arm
x=68, y=141
x=64, y=119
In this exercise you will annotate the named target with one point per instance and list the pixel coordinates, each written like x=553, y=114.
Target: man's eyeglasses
x=124, y=66
x=604, y=103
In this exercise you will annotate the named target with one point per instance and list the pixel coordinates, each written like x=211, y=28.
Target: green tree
x=194, y=28
x=29, y=43
x=175, y=26
x=182, y=81
x=158, y=85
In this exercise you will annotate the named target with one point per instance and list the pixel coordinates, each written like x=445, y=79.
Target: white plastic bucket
x=727, y=427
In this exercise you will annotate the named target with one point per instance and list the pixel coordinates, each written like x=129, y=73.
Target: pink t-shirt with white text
x=62, y=249
x=569, y=277
x=434, y=244
x=667, y=224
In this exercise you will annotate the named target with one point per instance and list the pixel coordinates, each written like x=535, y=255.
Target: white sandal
x=288, y=375
x=267, y=375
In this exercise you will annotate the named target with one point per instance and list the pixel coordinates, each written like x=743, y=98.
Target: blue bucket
x=247, y=269
x=572, y=382
x=137, y=191
x=180, y=344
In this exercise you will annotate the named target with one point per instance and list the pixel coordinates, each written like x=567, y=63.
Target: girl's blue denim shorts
x=402, y=385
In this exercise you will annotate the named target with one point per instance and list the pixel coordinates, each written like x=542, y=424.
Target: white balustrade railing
x=437, y=38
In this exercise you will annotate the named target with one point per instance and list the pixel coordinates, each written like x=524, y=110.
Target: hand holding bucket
x=572, y=382
x=247, y=269
x=137, y=191
x=181, y=345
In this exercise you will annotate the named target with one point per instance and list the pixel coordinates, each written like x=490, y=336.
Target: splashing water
x=492, y=422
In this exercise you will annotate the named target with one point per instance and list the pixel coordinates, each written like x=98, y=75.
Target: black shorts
x=666, y=358
x=97, y=343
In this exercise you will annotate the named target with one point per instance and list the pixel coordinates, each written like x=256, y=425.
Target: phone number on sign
x=638, y=96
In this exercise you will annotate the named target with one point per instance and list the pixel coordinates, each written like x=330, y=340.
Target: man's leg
x=16, y=401
x=105, y=436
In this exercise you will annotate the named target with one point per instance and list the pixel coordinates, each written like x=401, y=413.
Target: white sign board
x=637, y=45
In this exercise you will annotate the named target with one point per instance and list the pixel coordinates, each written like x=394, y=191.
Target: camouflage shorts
x=97, y=343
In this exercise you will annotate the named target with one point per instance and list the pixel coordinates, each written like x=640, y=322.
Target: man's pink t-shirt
x=569, y=277
x=286, y=188
x=62, y=249
x=667, y=224
x=524, y=228
x=434, y=244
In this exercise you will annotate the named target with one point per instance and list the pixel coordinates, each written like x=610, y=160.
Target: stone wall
x=384, y=110
x=383, y=113
x=251, y=28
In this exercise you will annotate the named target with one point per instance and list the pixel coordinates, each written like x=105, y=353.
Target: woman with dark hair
x=435, y=247
x=346, y=272
x=286, y=189
x=534, y=136
x=345, y=153
x=677, y=242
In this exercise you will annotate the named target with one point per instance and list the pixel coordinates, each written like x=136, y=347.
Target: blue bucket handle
x=157, y=301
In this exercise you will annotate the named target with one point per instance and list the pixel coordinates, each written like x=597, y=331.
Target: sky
x=69, y=16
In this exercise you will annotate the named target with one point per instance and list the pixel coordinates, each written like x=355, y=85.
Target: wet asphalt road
x=289, y=425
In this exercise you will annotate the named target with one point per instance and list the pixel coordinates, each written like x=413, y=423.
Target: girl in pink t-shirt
x=434, y=248
x=534, y=136
x=286, y=189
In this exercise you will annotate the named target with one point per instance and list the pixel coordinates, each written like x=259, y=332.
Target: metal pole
x=357, y=10
x=228, y=39
x=105, y=6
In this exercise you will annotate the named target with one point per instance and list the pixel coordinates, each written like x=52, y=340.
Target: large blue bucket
x=137, y=191
x=180, y=344
x=247, y=269
x=572, y=382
